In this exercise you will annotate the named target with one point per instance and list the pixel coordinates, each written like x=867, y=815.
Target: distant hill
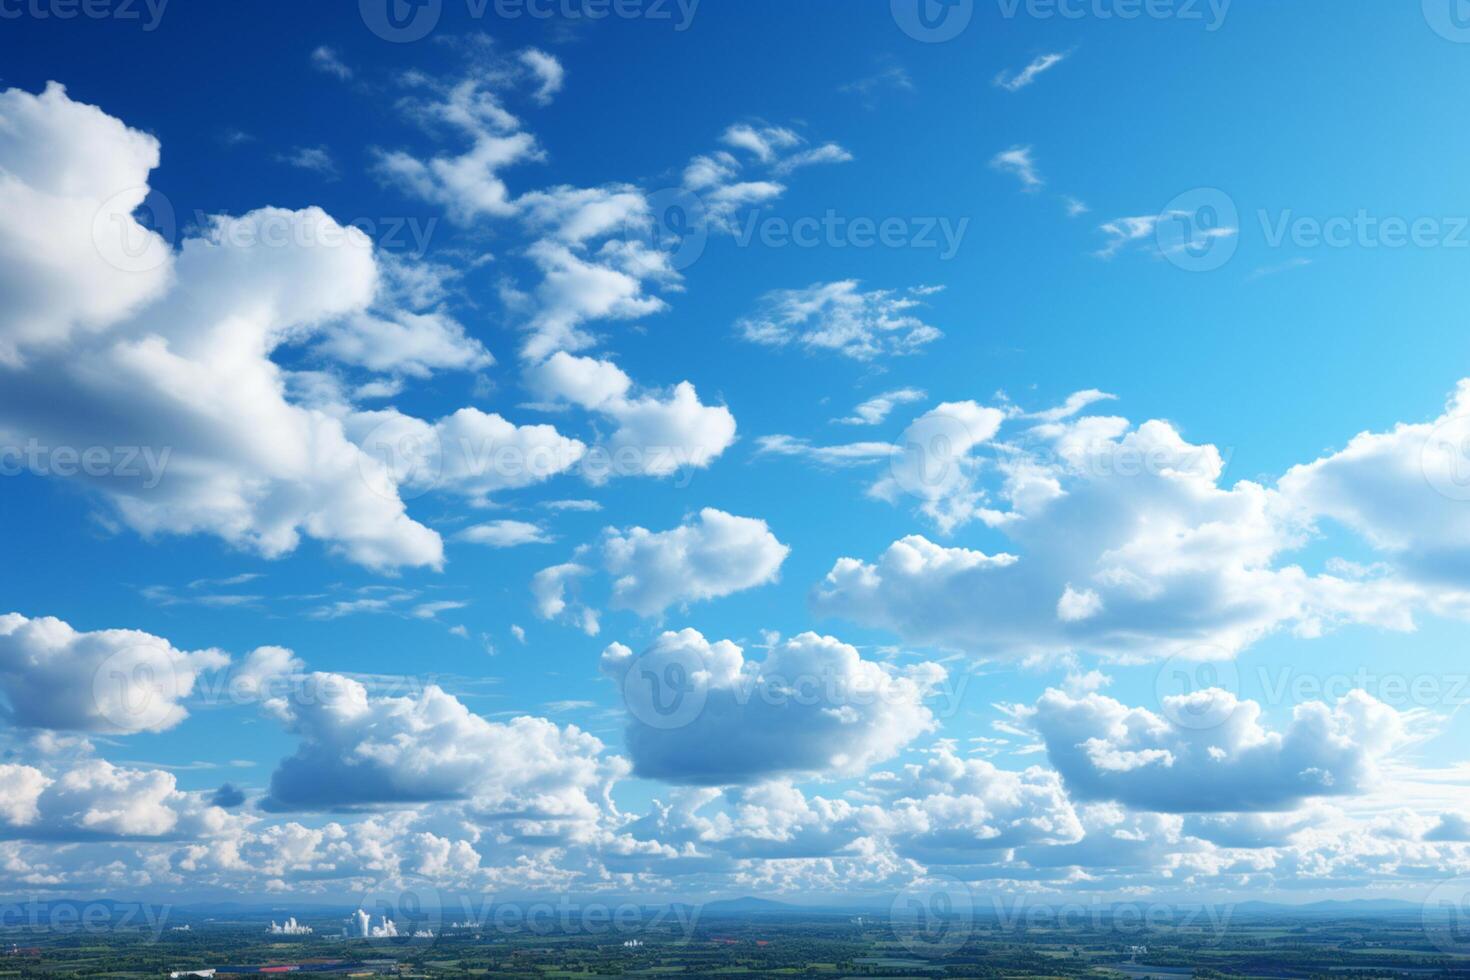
x=1358, y=906
x=748, y=905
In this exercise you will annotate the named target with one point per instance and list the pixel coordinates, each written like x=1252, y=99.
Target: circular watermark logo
x=1187, y=687
x=1446, y=915
x=134, y=230
x=1450, y=19
x=933, y=919
x=401, y=21
x=1444, y=458
x=402, y=458
x=1199, y=231
x=678, y=226
x=398, y=912
x=930, y=463
x=662, y=688
x=933, y=21
x=138, y=688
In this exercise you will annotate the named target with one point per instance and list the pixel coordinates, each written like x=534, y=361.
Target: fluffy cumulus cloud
x=654, y=434
x=714, y=555
x=839, y=317
x=1119, y=540
x=186, y=417
x=1405, y=492
x=701, y=713
x=1209, y=751
x=953, y=812
x=95, y=800
x=107, y=682
x=472, y=453
x=527, y=777
x=76, y=257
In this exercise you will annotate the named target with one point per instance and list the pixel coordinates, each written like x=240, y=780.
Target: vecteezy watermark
x=933, y=918
x=1197, y=687
x=680, y=222
x=1210, y=13
x=933, y=21
x=405, y=21
x=87, y=918
x=407, y=233
x=1450, y=19
x=1209, y=922
x=1445, y=915
x=837, y=231
x=1364, y=229
x=665, y=687
x=678, y=226
x=145, y=464
x=136, y=231
x=481, y=915
x=1198, y=231
x=148, y=13
x=1200, y=687
x=1444, y=458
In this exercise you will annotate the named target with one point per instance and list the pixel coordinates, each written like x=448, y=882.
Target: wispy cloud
x=325, y=60
x=1017, y=161
x=1015, y=82
x=1273, y=270
x=878, y=408
x=314, y=158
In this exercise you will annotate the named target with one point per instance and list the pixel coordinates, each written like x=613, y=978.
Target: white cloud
x=549, y=73
x=1015, y=82
x=935, y=462
x=654, y=436
x=813, y=705
x=92, y=800
x=1106, y=751
x=187, y=381
x=1405, y=492
x=1125, y=543
x=317, y=159
x=549, y=591
x=412, y=344
x=528, y=777
x=715, y=555
x=765, y=142
x=879, y=407
x=950, y=811
x=108, y=681
x=839, y=317
x=473, y=453
x=327, y=61
x=76, y=258
x=467, y=186
x=505, y=534
x=1122, y=232
x=1018, y=162
x=1075, y=403
x=848, y=454
x=826, y=153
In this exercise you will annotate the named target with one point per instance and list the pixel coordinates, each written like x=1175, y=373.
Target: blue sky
x=1029, y=614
